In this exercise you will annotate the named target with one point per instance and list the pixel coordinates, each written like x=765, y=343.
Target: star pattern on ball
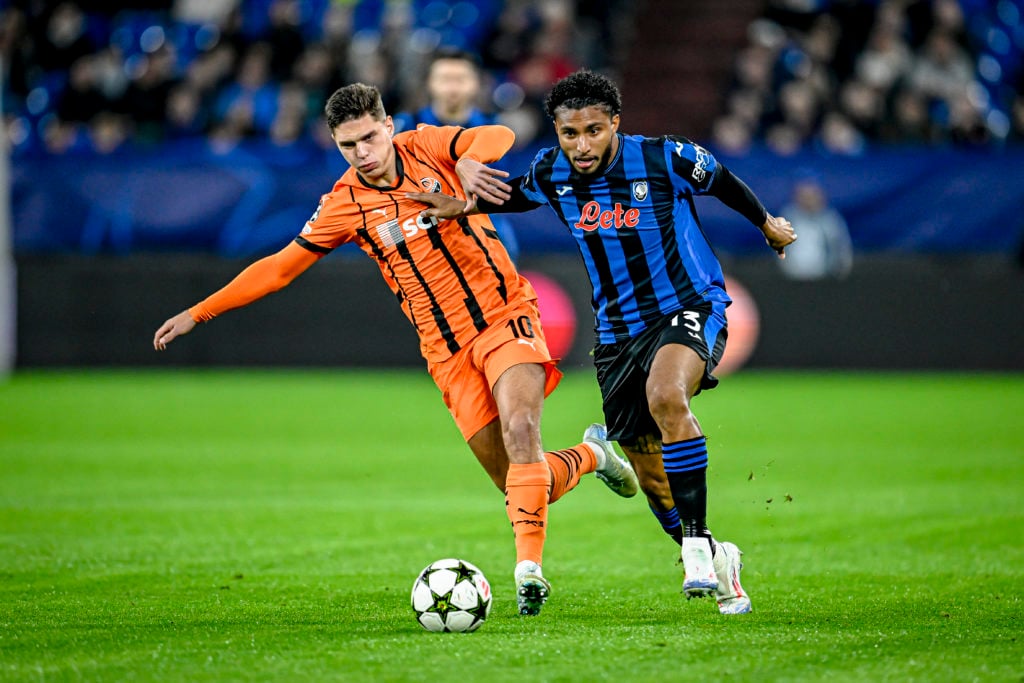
x=442, y=604
x=463, y=572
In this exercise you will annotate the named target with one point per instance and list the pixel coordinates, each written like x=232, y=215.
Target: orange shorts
x=467, y=378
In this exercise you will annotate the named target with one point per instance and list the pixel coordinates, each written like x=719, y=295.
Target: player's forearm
x=485, y=144
x=735, y=194
x=517, y=203
x=255, y=282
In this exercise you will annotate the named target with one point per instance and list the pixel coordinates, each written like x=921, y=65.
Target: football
x=451, y=596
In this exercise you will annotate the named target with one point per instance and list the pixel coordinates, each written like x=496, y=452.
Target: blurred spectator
x=108, y=132
x=909, y=121
x=839, y=136
x=784, y=139
x=289, y=124
x=145, y=99
x=15, y=49
x=453, y=89
x=453, y=86
x=823, y=248
x=64, y=40
x=82, y=99
x=248, y=104
x=799, y=108
x=863, y=106
x=186, y=116
x=315, y=72
x=731, y=135
x=285, y=39
x=943, y=71
x=203, y=11
x=966, y=125
x=886, y=60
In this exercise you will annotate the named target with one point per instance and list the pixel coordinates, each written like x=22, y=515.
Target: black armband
x=735, y=194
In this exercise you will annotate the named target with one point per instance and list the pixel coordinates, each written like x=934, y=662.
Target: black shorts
x=623, y=367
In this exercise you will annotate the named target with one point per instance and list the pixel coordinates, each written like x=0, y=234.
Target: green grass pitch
x=192, y=526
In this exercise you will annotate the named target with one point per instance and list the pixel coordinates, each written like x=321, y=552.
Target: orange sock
x=567, y=467
x=526, y=502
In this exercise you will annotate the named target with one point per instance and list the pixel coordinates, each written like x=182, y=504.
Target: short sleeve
x=327, y=228
x=692, y=165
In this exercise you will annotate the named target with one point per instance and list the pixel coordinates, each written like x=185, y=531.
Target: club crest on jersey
x=431, y=184
x=640, y=190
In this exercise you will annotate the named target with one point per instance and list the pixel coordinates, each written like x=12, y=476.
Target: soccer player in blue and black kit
x=659, y=298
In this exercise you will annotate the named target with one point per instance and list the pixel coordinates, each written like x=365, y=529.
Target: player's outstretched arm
x=259, y=279
x=778, y=233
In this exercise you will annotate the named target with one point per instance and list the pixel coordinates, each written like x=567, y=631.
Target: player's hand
x=442, y=206
x=778, y=233
x=482, y=181
x=172, y=328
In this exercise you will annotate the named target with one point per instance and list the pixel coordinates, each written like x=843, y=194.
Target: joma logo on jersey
x=592, y=217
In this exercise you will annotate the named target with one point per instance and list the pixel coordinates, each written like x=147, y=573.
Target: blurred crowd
x=94, y=76
x=838, y=74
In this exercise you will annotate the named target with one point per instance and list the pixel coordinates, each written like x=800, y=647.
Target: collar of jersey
x=399, y=176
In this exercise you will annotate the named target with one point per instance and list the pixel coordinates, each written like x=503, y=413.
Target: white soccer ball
x=451, y=596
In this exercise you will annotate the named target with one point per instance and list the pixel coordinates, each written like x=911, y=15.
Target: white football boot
x=532, y=589
x=614, y=470
x=732, y=599
x=700, y=580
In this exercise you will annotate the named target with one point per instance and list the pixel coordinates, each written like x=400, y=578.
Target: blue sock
x=686, y=465
x=669, y=521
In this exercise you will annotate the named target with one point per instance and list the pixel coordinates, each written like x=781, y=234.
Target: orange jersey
x=452, y=278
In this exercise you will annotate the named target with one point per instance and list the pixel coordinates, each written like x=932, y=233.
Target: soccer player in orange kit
x=476, y=317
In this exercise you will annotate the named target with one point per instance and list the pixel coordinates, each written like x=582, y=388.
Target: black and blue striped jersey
x=637, y=228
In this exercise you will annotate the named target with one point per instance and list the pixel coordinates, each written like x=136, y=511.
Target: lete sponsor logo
x=593, y=217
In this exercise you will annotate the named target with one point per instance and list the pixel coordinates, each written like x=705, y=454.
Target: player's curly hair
x=584, y=89
x=353, y=102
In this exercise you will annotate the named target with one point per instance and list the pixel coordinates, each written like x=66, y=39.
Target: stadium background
x=156, y=147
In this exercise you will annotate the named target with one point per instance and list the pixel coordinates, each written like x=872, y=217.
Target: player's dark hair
x=584, y=89
x=456, y=54
x=353, y=102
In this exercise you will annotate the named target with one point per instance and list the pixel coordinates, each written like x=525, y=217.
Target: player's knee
x=668, y=403
x=521, y=433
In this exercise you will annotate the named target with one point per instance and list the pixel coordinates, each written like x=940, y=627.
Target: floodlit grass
x=268, y=526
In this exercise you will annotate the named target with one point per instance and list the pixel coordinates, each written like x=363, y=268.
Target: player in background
x=453, y=86
x=658, y=294
x=475, y=315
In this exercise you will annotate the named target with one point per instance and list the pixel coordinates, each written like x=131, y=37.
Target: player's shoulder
x=669, y=141
x=343, y=199
x=545, y=158
x=429, y=139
